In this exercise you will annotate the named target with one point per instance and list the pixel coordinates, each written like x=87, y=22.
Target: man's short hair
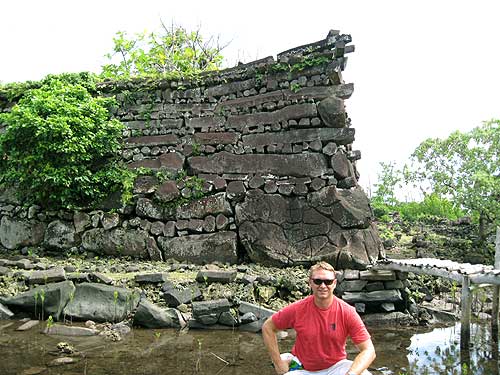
x=321, y=266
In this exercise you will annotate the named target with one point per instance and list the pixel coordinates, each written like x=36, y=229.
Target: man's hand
x=282, y=367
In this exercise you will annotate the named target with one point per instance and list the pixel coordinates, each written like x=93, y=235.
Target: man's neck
x=323, y=303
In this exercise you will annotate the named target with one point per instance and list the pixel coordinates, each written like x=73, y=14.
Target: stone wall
x=256, y=163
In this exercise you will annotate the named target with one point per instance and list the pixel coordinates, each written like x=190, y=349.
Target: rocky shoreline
x=173, y=295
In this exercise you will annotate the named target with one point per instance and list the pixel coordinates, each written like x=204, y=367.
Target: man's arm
x=270, y=340
x=364, y=358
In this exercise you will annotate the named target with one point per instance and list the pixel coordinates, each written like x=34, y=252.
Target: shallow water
x=407, y=351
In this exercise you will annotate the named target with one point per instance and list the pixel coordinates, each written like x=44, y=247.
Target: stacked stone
x=373, y=291
x=270, y=142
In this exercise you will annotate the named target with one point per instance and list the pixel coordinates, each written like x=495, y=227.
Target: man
x=322, y=322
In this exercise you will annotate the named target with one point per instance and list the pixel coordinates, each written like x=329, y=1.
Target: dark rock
x=202, y=248
x=116, y=242
x=332, y=112
x=101, y=278
x=56, y=296
x=151, y=316
x=167, y=191
x=48, y=276
x=101, y=303
x=175, y=296
x=392, y=295
x=16, y=233
x=208, y=312
x=214, y=276
x=145, y=184
x=151, y=278
x=200, y=208
x=342, y=167
x=5, y=313
x=236, y=191
x=312, y=165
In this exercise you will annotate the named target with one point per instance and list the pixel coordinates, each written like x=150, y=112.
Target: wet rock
x=48, y=276
x=102, y=303
x=63, y=330
x=56, y=296
x=208, y=312
x=5, y=313
x=151, y=316
x=391, y=319
x=63, y=361
x=215, y=276
x=28, y=325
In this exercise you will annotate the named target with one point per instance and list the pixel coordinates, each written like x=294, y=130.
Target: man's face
x=323, y=290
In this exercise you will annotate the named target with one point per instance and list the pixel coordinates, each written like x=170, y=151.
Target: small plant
x=50, y=323
x=157, y=335
x=42, y=299
x=115, y=303
x=295, y=87
x=36, y=302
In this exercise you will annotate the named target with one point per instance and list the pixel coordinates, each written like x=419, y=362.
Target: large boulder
x=60, y=235
x=201, y=248
x=16, y=233
x=117, y=242
x=330, y=224
x=50, y=298
x=102, y=303
x=151, y=316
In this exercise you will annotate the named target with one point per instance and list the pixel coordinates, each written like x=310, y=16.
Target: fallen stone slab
x=62, y=330
x=5, y=271
x=102, y=303
x=63, y=361
x=380, y=275
x=259, y=311
x=392, y=295
x=151, y=316
x=101, y=278
x=175, y=296
x=51, y=275
x=51, y=298
x=396, y=317
x=207, y=311
x=151, y=278
x=78, y=277
x=28, y=325
x=216, y=276
x=5, y=313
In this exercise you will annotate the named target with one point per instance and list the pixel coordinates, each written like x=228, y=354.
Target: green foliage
x=60, y=146
x=172, y=52
x=465, y=167
x=14, y=91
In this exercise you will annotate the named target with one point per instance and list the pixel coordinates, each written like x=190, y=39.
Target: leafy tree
x=171, y=51
x=465, y=167
x=60, y=144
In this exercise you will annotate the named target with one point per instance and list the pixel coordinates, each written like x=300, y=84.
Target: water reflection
x=400, y=351
x=438, y=352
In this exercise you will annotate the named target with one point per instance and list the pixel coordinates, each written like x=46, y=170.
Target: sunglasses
x=321, y=281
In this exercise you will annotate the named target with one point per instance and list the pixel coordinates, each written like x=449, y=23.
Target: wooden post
x=496, y=292
x=465, y=305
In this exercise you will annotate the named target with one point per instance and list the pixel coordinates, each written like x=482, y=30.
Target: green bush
x=60, y=146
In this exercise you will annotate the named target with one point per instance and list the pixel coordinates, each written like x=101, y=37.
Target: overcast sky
x=421, y=68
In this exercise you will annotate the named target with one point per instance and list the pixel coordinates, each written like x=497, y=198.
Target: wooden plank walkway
x=464, y=274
